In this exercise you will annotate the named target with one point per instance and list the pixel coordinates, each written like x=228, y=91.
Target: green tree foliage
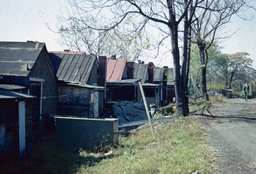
x=94, y=23
x=209, y=21
x=238, y=66
x=214, y=76
x=230, y=70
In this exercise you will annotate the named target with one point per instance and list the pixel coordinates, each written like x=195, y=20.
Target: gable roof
x=72, y=67
x=17, y=57
x=140, y=72
x=115, y=69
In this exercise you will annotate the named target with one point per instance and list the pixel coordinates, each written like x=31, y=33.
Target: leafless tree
x=172, y=18
x=77, y=35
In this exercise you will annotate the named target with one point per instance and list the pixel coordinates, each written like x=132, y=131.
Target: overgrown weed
x=179, y=147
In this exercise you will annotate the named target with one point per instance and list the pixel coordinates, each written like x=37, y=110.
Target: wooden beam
x=146, y=108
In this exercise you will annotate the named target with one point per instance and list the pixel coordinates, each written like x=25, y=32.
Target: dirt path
x=232, y=132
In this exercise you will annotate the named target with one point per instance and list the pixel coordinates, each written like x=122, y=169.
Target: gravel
x=232, y=132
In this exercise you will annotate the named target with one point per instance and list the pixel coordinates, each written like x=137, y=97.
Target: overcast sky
x=22, y=20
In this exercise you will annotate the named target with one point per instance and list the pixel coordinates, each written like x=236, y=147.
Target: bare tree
x=210, y=19
x=78, y=32
x=172, y=18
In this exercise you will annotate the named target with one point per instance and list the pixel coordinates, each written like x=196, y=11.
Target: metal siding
x=88, y=134
x=140, y=72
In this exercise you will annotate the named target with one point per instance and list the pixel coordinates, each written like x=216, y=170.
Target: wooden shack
x=27, y=64
x=78, y=91
x=13, y=137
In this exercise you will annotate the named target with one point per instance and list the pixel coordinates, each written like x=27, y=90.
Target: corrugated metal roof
x=5, y=94
x=72, y=67
x=17, y=57
x=141, y=72
x=158, y=74
x=115, y=69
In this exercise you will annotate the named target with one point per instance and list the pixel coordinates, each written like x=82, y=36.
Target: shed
x=120, y=85
x=144, y=72
x=12, y=124
x=125, y=90
x=80, y=99
x=78, y=90
x=27, y=64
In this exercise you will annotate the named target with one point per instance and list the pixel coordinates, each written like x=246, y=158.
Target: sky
x=28, y=20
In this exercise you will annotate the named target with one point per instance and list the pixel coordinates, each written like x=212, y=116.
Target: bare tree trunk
x=185, y=67
x=203, y=62
x=178, y=82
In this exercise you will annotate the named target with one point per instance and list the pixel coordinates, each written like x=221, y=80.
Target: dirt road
x=232, y=133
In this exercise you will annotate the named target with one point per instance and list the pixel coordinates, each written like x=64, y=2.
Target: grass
x=179, y=147
x=218, y=98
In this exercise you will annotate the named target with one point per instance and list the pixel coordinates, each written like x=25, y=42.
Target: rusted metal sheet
x=116, y=69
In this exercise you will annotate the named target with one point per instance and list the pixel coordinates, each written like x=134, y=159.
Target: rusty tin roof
x=116, y=69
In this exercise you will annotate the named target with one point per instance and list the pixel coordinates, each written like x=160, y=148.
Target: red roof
x=115, y=69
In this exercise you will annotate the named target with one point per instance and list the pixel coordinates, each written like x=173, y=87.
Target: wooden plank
x=146, y=108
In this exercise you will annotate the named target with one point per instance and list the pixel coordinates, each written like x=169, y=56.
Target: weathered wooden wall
x=8, y=129
x=42, y=69
x=74, y=101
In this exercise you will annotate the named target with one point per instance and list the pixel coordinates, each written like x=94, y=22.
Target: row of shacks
x=36, y=84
